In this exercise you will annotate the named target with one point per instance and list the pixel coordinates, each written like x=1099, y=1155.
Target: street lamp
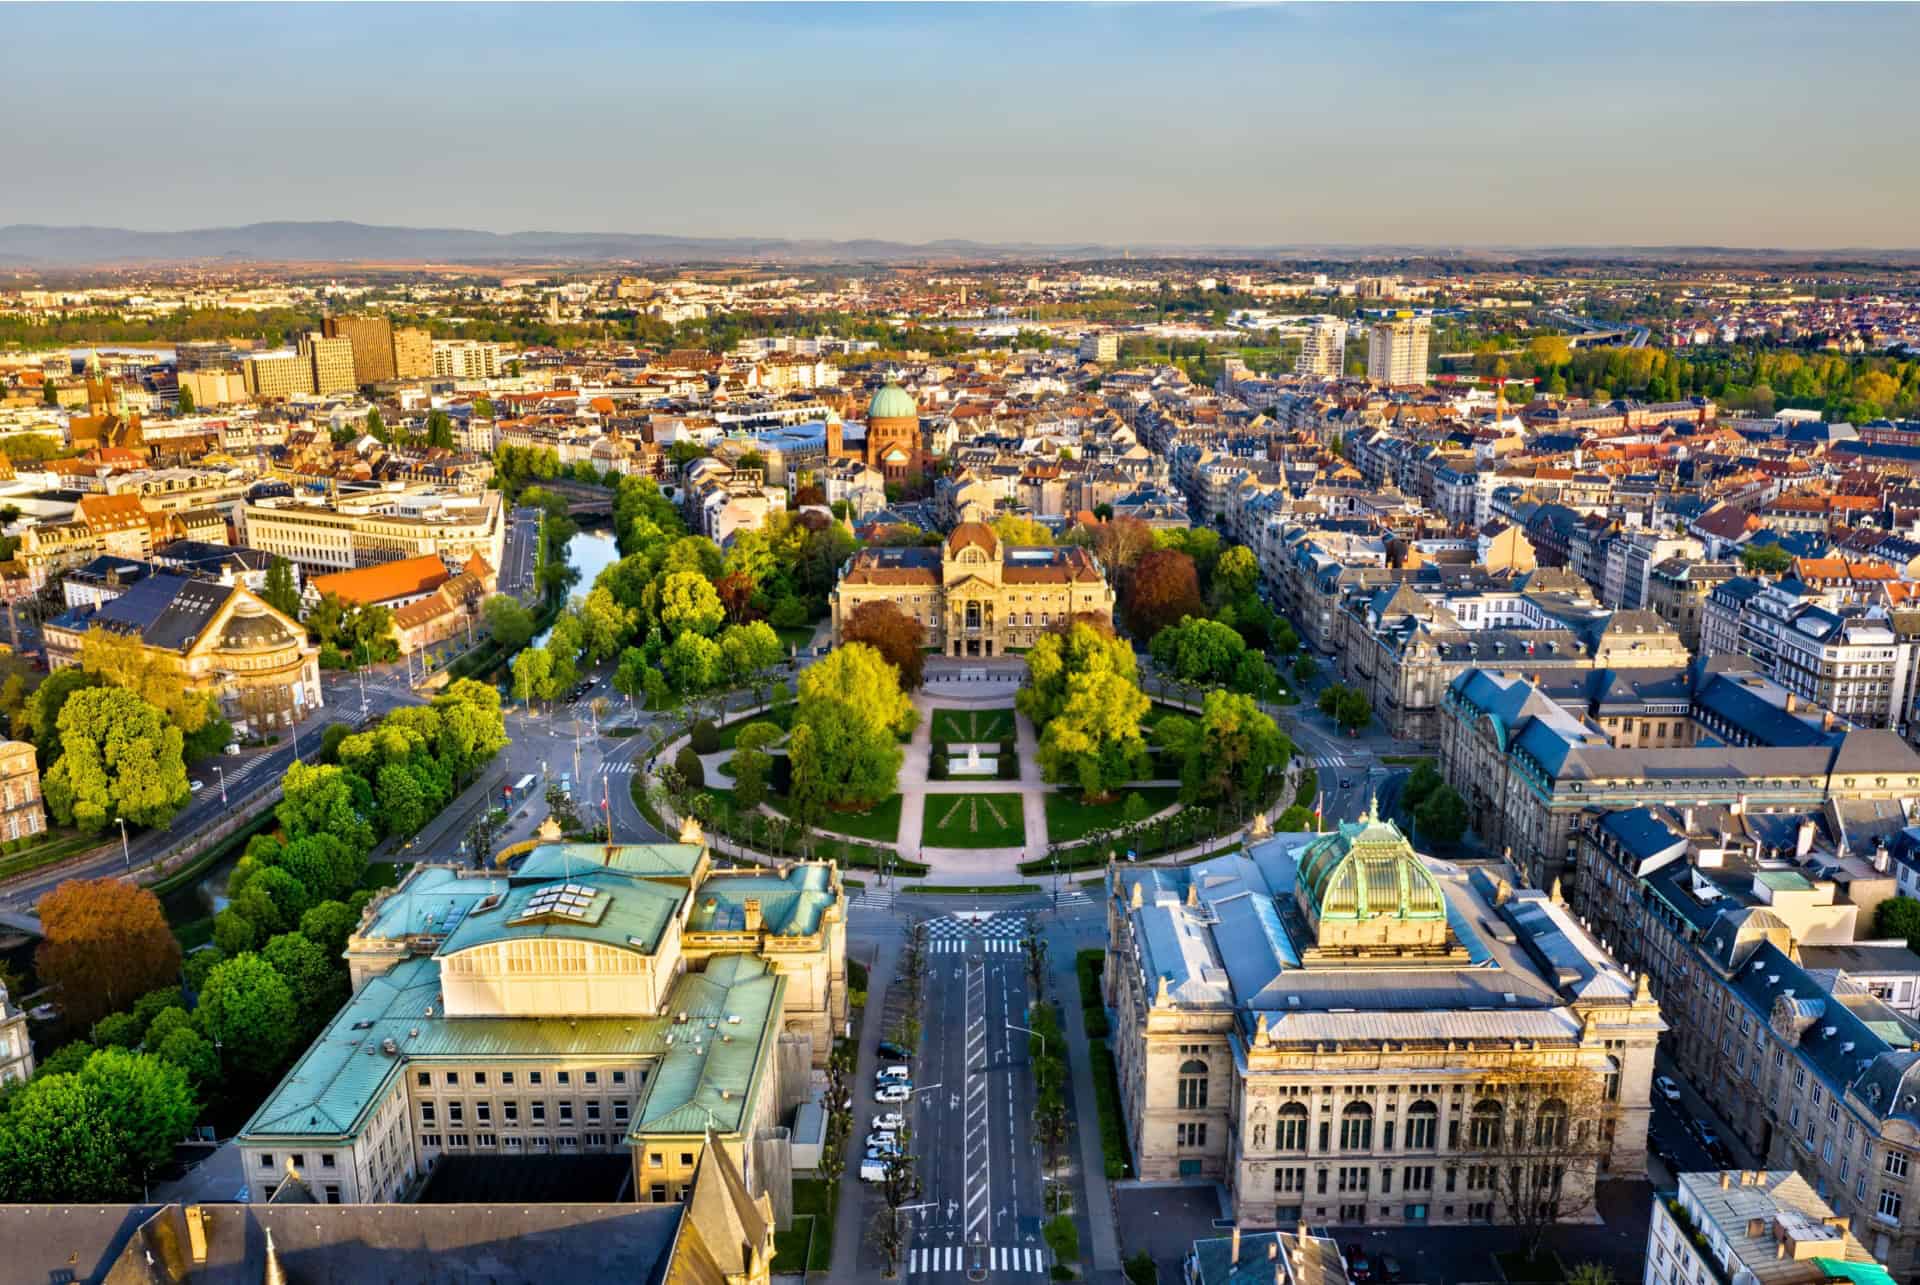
x=126, y=853
x=1015, y=1026
x=223, y=783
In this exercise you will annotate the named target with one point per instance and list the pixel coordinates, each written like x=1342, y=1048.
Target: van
x=873, y=1171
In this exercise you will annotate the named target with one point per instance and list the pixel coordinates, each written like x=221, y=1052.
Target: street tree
x=105, y=944
x=532, y=675
x=511, y=624
x=840, y=757
x=1534, y=1142
x=1228, y=752
x=119, y=757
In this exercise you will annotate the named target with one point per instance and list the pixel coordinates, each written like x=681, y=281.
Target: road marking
x=979, y=1129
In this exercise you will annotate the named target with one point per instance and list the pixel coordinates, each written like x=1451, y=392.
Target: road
x=523, y=539
x=240, y=774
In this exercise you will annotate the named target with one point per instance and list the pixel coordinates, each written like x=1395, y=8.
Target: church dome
x=252, y=628
x=893, y=402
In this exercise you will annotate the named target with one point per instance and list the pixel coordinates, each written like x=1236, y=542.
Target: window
x=566, y=1113
x=686, y=1159
x=511, y=1110
x=423, y=1079
x=456, y=1113
x=1190, y=1135
x=1423, y=1126
x=619, y=1077
x=1291, y=1131
x=333, y=1193
x=565, y=1077
x=537, y=1112
x=533, y=1077
x=483, y=1112
x=1889, y=1204
x=426, y=1113
x=1485, y=1127
x=619, y=1113
x=1550, y=1125
x=1290, y=1180
x=593, y=1077
x=506, y=1077
x=1354, y=1177
x=593, y=1113
x=1356, y=1127
x=1418, y=1178
x=453, y=1077
x=266, y=1159
x=1895, y=1164
x=326, y=1161
x=1192, y=1090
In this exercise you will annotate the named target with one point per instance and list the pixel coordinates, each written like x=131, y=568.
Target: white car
x=194, y=787
x=883, y=1142
x=881, y=1155
x=893, y=1093
x=889, y=1122
x=897, y=1072
x=1666, y=1088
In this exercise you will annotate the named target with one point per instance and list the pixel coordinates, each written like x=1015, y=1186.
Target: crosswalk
x=1334, y=760
x=959, y=934
x=872, y=899
x=959, y=1258
x=988, y=946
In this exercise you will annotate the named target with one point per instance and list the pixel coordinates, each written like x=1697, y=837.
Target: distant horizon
x=1446, y=125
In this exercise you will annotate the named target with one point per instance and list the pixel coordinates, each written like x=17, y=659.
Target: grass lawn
x=1409, y=760
x=880, y=823
x=973, y=821
x=972, y=724
x=1068, y=818
x=780, y=715
x=814, y=1204
x=796, y=636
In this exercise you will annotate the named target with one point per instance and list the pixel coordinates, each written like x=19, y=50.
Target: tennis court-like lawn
x=1068, y=818
x=973, y=821
x=972, y=724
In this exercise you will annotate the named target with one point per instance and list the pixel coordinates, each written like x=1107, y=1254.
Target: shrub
x=1141, y=1271
x=703, y=737
x=1106, y=1096
x=1009, y=766
x=1062, y=1237
x=937, y=765
x=687, y=763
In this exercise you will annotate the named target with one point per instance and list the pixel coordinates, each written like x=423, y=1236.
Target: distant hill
x=40, y=245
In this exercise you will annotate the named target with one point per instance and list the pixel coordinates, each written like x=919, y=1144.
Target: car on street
x=885, y=1151
x=1346, y=783
x=896, y=1072
x=1359, y=1269
x=1388, y=1268
x=194, y=787
x=873, y=1171
x=1664, y=1085
x=1705, y=1134
x=883, y=1138
x=889, y=1121
x=889, y=1049
x=895, y=1092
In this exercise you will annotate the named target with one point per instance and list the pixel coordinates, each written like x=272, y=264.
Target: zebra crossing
x=988, y=945
x=1335, y=760
x=957, y=934
x=872, y=899
x=996, y=1258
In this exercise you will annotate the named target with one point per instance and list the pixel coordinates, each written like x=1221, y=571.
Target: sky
x=1131, y=125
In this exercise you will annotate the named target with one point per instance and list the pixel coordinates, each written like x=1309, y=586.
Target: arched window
x=1291, y=1135
x=1193, y=1085
x=1423, y=1126
x=1356, y=1127
x=1613, y=1079
x=1550, y=1124
x=1483, y=1130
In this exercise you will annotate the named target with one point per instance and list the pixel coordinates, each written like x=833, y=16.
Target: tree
x=148, y=1101
x=329, y=924
x=841, y=756
x=688, y=603
x=318, y=983
x=375, y=426
x=1094, y=740
x=1199, y=650
x=1163, y=588
x=605, y=625
x=1229, y=751
x=279, y=591
x=1766, y=559
x=858, y=676
x=693, y=663
x=751, y=763
x=1347, y=706
x=1016, y=530
x=887, y=1236
x=119, y=756
x=1534, y=1141
x=42, y=710
x=58, y=1144
x=106, y=944
x=326, y=799
x=532, y=675
x=748, y=650
x=186, y=400
x=1120, y=543
x=439, y=430
x=1235, y=575
x=511, y=624
x=248, y=1009
x=1059, y=656
x=898, y=637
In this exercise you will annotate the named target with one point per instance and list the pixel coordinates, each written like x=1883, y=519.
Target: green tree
x=1016, y=530
x=439, y=430
x=532, y=675
x=605, y=625
x=688, y=603
x=1229, y=751
x=1443, y=817
x=406, y=803
x=248, y=1009
x=186, y=400
x=324, y=799
x=841, y=756
x=693, y=663
x=318, y=982
x=630, y=676
x=148, y=1101
x=511, y=624
x=279, y=591
x=1766, y=559
x=328, y=925
x=751, y=763
x=1347, y=706
x=375, y=426
x=860, y=677
x=1897, y=918
x=187, y=1049
x=1094, y=740
x=1199, y=650
x=57, y=1143
x=1235, y=575
x=119, y=757
x=1057, y=659
x=749, y=649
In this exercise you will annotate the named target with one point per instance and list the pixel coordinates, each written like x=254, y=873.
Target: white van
x=872, y=1171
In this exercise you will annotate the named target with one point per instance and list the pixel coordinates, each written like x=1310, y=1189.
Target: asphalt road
x=523, y=532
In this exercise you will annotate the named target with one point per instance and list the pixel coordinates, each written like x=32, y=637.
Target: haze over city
x=1768, y=125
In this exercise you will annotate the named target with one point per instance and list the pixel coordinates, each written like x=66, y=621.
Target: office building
x=412, y=353
x=383, y=526
x=278, y=375
x=1753, y=1227
x=329, y=362
x=1323, y=349
x=1338, y=1030
x=466, y=359
x=372, y=341
x=1397, y=351
x=1102, y=346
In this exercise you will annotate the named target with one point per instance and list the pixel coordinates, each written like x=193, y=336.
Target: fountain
x=973, y=764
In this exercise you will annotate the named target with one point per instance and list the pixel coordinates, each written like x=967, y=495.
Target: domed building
x=893, y=434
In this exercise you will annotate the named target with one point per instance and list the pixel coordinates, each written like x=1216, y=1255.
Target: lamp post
x=1015, y=1026
x=126, y=853
x=223, y=783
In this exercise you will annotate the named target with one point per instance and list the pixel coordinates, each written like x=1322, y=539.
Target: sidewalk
x=850, y=1217
x=1103, y=1237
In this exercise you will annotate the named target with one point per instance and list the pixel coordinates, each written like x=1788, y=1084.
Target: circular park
x=979, y=776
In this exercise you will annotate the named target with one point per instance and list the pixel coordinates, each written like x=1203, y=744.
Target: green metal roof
x=646, y=860
x=625, y=911
x=430, y=900
x=893, y=402
x=1859, y=1273
x=791, y=905
x=1367, y=868
x=1784, y=880
x=700, y=1069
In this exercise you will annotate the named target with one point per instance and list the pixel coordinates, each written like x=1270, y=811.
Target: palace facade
x=976, y=595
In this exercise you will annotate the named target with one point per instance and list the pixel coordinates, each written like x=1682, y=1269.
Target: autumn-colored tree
x=107, y=944
x=1164, y=587
x=736, y=595
x=1120, y=543
x=894, y=634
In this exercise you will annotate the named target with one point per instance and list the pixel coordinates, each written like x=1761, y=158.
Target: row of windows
x=424, y=1079
x=510, y=1113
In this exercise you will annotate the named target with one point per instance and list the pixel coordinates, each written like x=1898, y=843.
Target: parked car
x=873, y=1171
x=1705, y=1134
x=895, y=1092
x=1387, y=1267
x=883, y=1141
x=1358, y=1268
x=889, y=1121
x=889, y=1049
x=893, y=1073
x=1664, y=1085
x=194, y=787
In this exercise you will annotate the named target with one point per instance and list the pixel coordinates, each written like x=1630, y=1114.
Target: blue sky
x=1788, y=125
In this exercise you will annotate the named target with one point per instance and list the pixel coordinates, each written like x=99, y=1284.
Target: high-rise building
x=1323, y=352
x=412, y=353
x=1397, y=351
x=1100, y=345
x=279, y=374
x=329, y=363
x=465, y=359
x=372, y=340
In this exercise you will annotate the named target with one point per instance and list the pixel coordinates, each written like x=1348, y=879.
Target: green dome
x=1364, y=869
x=893, y=402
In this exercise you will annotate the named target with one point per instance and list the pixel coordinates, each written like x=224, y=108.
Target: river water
x=591, y=551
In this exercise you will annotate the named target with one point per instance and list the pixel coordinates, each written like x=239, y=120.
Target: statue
x=1260, y=828
x=973, y=758
x=690, y=831
x=549, y=830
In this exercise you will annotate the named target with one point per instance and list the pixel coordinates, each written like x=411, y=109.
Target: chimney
x=1235, y=1260
x=753, y=914
x=197, y=1233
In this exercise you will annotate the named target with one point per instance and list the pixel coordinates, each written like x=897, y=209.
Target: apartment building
x=1323, y=349
x=1306, y=1023
x=1102, y=346
x=1397, y=351
x=412, y=353
x=329, y=362
x=22, y=813
x=371, y=339
x=1848, y=658
x=359, y=530
x=468, y=359
x=16, y=1046
x=1753, y=1226
x=279, y=375
x=1677, y=590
